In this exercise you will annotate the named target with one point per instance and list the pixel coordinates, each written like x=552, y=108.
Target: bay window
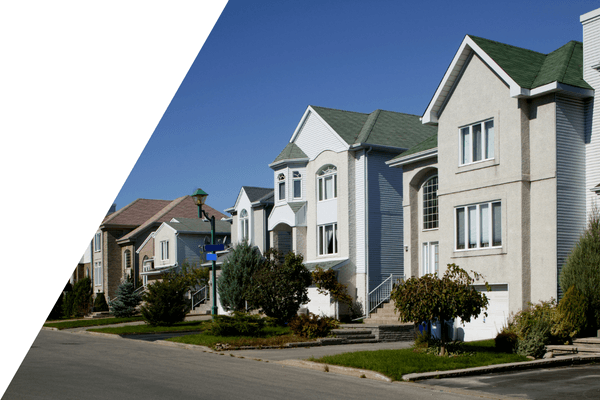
x=478, y=226
x=281, y=184
x=477, y=142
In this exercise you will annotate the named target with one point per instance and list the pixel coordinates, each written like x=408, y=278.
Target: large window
x=281, y=185
x=98, y=273
x=327, y=182
x=328, y=239
x=98, y=242
x=244, y=229
x=477, y=142
x=479, y=226
x=430, y=258
x=164, y=250
x=430, y=203
x=297, y=178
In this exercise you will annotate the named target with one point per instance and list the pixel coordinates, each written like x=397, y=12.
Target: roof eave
x=422, y=155
x=276, y=164
x=556, y=86
x=391, y=149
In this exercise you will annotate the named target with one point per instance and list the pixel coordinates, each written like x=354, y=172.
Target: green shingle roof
x=531, y=69
x=290, y=152
x=427, y=144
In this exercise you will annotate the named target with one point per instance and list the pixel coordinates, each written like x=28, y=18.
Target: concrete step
x=591, y=341
x=350, y=331
x=98, y=314
x=357, y=341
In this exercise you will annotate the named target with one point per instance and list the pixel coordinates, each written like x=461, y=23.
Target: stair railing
x=200, y=296
x=381, y=293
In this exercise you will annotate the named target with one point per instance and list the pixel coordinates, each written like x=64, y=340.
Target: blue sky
x=266, y=61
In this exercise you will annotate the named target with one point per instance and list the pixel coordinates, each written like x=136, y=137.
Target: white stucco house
x=504, y=187
x=338, y=204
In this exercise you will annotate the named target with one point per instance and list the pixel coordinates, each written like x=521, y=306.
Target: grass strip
x=395, y=363
x=144, y=328
x=90, y=322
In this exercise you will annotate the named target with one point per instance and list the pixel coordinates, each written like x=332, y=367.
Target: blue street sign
x=214, y=247
x=211, y=257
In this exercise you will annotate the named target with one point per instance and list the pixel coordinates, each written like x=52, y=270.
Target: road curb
x=336, y=369
x=545, y=363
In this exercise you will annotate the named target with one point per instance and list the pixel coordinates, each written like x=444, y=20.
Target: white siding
x=359, y=193
x=385, y=219
x=570, y=175
x=315, y=137
x=591, y=56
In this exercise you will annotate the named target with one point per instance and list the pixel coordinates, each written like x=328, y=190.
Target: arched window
x=244, y=225
x=127, y=259
x=327, y=182
x=281, y=185
x=430, y=203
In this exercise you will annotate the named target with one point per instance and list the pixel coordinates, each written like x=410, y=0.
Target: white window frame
x=97, y=242
x=478, y=229
x=164, y=249
x=326, y=173
x=296, y=179
x=126, y=255
x=244, y=225
x=281, y=187
x=322, y=240
x=487, y=139
x=430, y=258
x=436, y=223
x=97, y=273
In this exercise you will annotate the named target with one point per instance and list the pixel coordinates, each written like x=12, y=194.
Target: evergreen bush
x=165, y=302
x=570, y=319
x=582, y=270
x=239, y=324
x=236, y=276
x=533, y=327
x=100, y=303
x=126, y=301
x=312, y=326
x=78, y=302
x=56, y=312
x=506, y=341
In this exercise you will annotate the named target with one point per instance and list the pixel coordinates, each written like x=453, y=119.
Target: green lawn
x=144, y=328
x=90, y=322
x=271, y=336
x=395, y=363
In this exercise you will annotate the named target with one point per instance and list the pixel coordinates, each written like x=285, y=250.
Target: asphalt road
x=64, y=365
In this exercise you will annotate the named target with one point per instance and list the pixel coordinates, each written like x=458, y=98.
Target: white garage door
x=487, y=327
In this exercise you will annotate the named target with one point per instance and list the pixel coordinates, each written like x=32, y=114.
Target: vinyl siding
x=570, y=175
x=315, y=137
x=187, y=249
x=385, y=219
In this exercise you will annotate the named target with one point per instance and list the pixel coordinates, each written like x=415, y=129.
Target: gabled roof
x=527, y=73
x=135, y=213
x=424, y=150
x=427, y=144
x=183, y=207
x=259, y=194
x=199, y=226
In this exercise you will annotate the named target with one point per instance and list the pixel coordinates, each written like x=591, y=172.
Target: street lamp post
x=199, y=197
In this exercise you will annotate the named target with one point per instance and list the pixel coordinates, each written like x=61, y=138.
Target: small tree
x=430, y=298
x=280, y=288
x=582, y=269
x=326, y=282
x=236, y=276
x=127, y=300
x=78, y=302
x=165, y=302
x=100, y=303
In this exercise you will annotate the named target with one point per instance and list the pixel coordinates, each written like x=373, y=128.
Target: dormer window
x=327, y=181
x=281, y=185
x=297, y=181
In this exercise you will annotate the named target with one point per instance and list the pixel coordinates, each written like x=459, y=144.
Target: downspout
x=366, y=187
x=175, y=261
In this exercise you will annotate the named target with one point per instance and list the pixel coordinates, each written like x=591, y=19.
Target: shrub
x=100, y=303
x=506, y=341
x=78, y=302
x=312, y=326
x=534, y=344
x=280, y=288
x=422, y=339
x=570, y=317
x=127, y=300
x=165, y=302
x=236, y=276
x=326, y=282
x=533, y=327
x=582, y=269
x=56, y=312
x=239, y=324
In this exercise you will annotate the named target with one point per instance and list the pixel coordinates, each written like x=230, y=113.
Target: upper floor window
x=430, y=203
x=244, y=225
x=281, y=185
x=477, y=142
x=327, y=177
x=164, y=250
x=98, y=241
x=97, y=273
x=297, y=180
x=127, y=259
x=479, y=226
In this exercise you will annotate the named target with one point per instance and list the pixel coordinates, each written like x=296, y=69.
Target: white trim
x=150, y=236
x=587, y=17
x=411, y=158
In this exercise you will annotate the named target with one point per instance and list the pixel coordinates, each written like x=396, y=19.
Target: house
x=179, y=241
x=250, y=216
x=115, y=244
x=503, y=187
x=336, y=201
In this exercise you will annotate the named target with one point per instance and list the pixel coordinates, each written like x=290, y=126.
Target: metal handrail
x=200, y=296
x=382, y=293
